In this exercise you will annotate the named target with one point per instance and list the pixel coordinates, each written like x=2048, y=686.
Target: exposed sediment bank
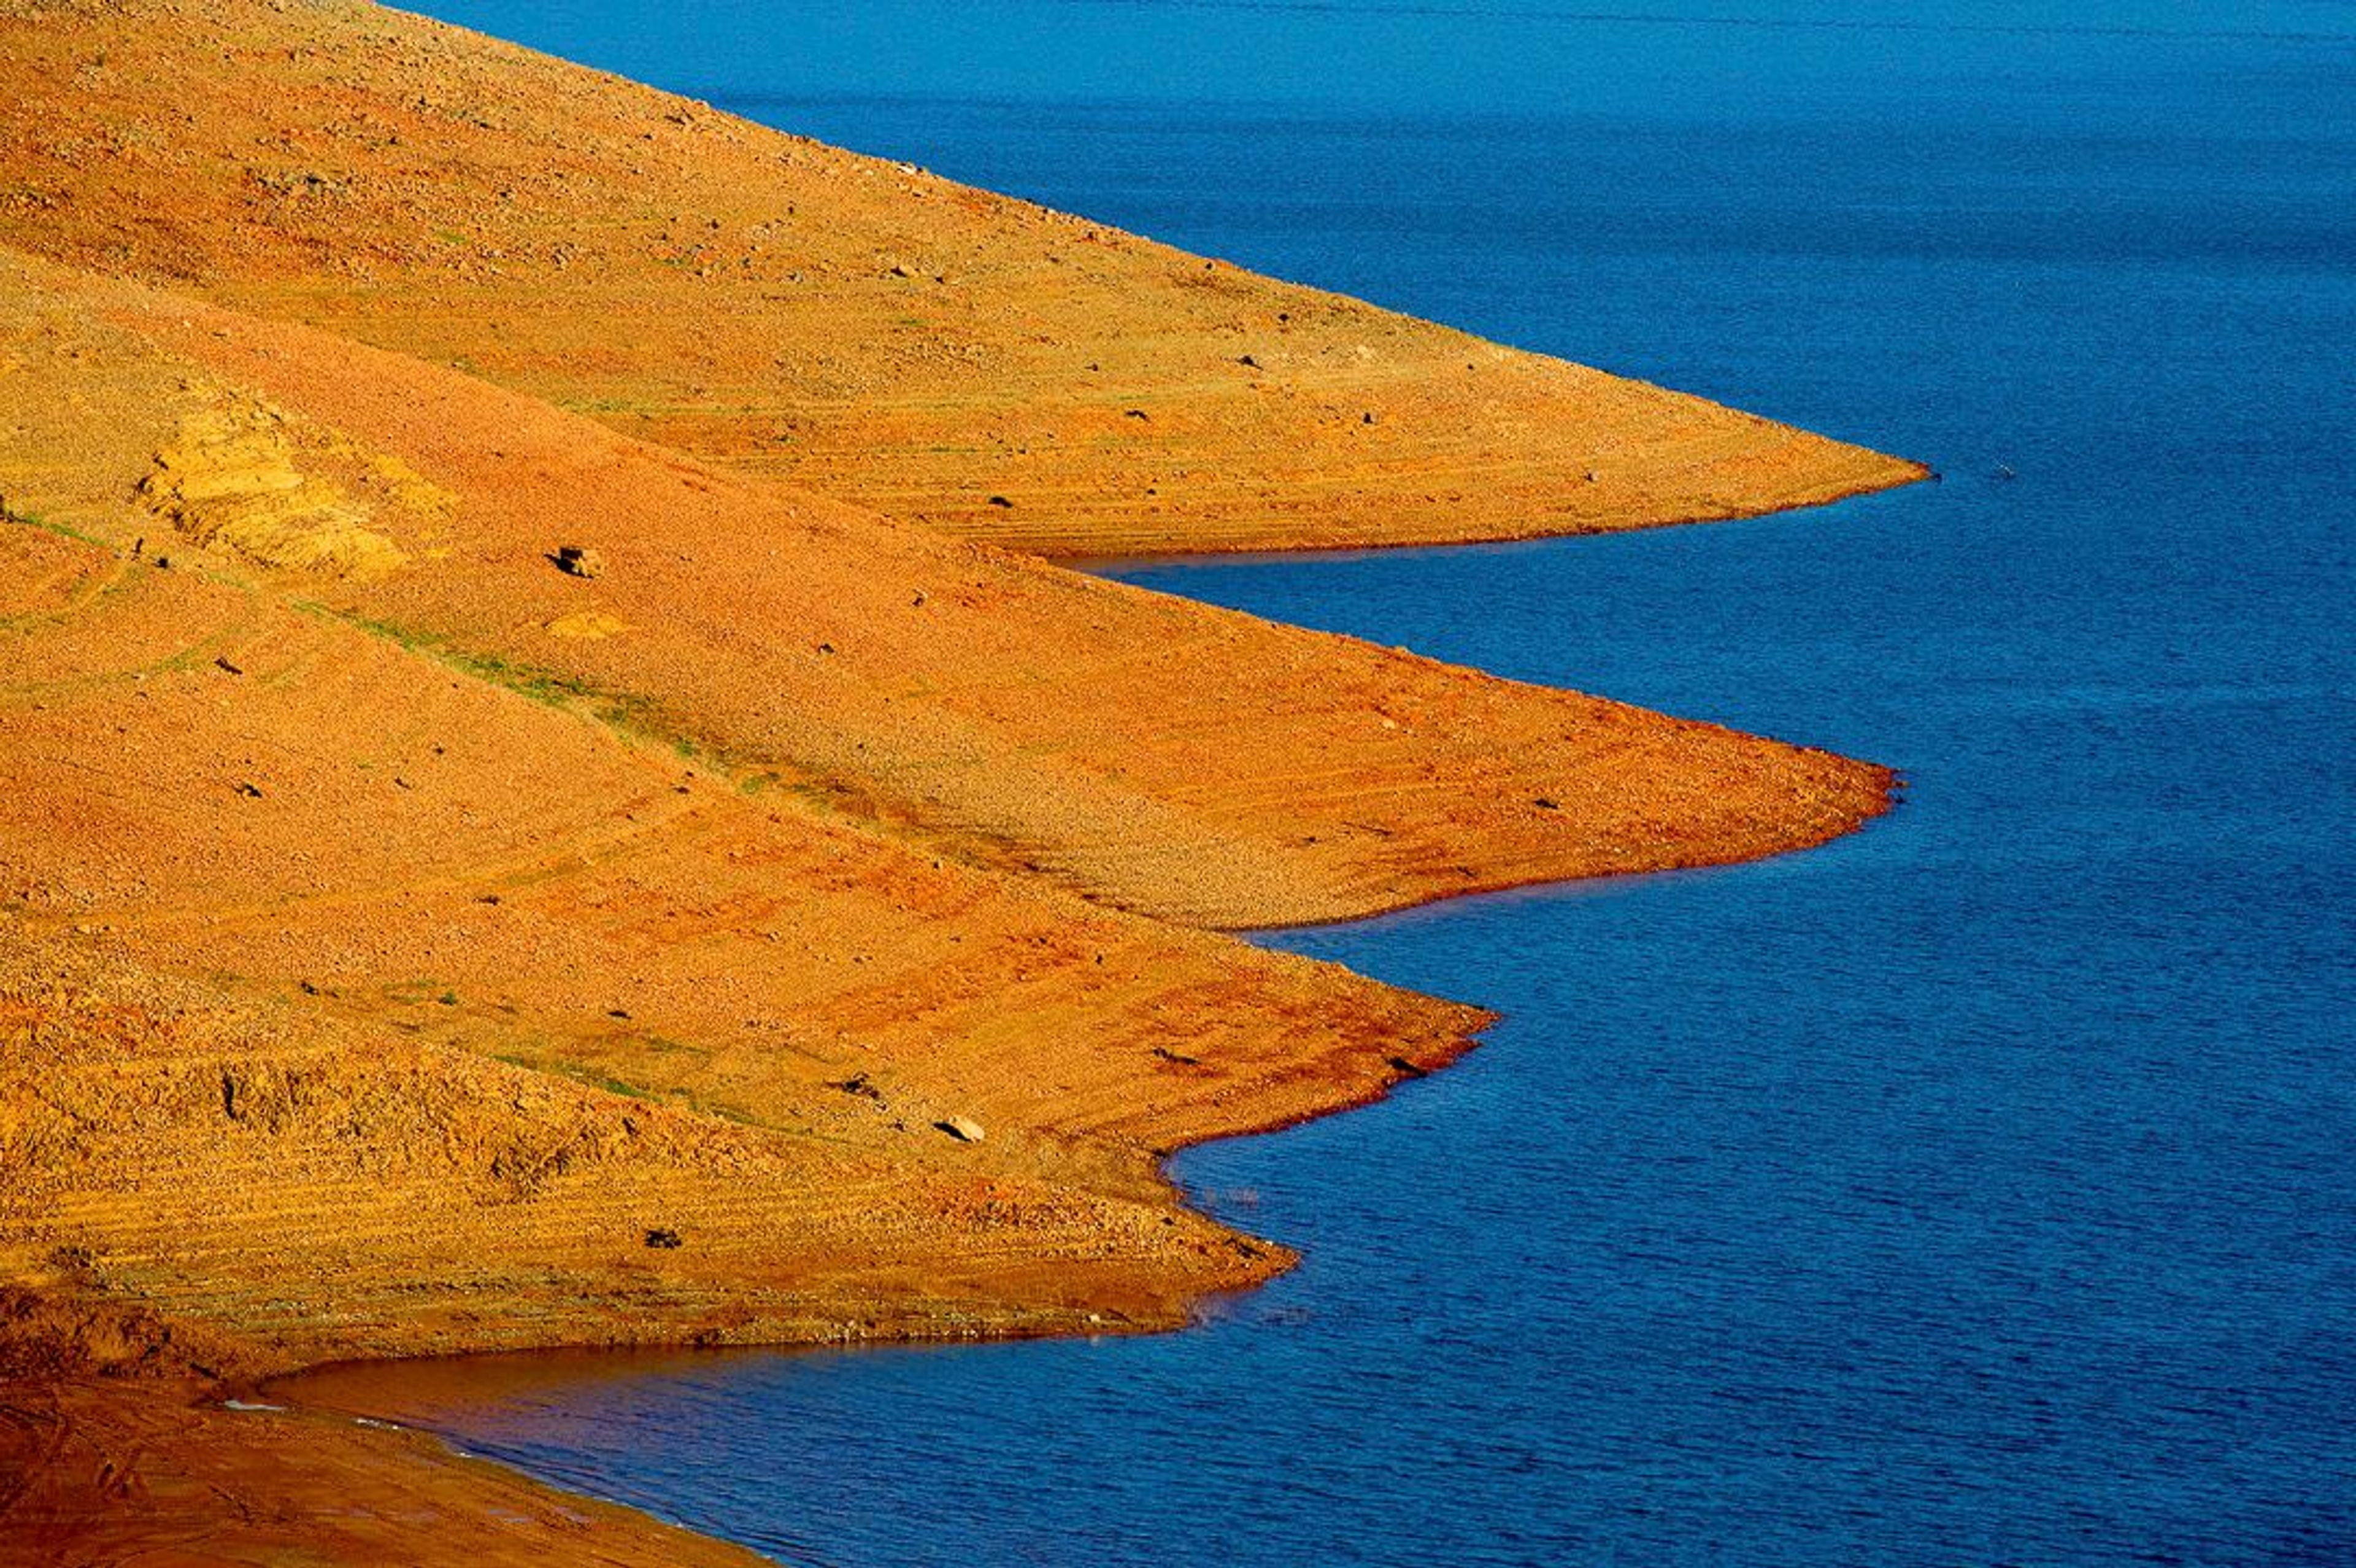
x=790, y=922
x=942, y=355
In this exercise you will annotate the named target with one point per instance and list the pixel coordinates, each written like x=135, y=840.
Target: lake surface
x=1978, y=1190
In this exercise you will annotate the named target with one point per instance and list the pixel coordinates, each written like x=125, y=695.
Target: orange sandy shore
x=405, y=941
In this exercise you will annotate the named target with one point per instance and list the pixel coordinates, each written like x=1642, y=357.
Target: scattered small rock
x=1543, y=803
x=579, y=560
x=999, y=501
x=249, y=789
x=1370, y=417
x=964, y=1129
x=662, y=1237
x=1247, y=360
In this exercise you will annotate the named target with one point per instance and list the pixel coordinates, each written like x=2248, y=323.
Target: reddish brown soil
x=856, y=327
x=156, y=1466
x=397, y=932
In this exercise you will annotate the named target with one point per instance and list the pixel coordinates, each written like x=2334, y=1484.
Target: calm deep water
x=1978, y=1190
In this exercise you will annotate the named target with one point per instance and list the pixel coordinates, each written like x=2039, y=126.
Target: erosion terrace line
x=399, y=932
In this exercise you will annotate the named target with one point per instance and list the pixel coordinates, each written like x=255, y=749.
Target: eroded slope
x=1139, y=750
x=941, y=354
x=407, y=945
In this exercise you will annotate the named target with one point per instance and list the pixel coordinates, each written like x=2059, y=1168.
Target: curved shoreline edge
x=458, y=946
x=1907, y=472
x=401, y=1468
x=357, y=1392
x=1913, y=472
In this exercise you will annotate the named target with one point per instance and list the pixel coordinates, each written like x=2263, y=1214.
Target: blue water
x=1978, y=1189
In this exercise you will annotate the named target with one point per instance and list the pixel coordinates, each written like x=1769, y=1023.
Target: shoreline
x=1218, y=554
x=461, y=1472
x=797, y=925
x=299, y=1387
x=1215, y=555
x=1894, y=784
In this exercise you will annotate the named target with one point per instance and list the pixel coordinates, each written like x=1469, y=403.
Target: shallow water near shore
x=1977, y=1188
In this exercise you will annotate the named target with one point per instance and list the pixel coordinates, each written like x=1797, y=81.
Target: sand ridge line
x=944, y=355
x=1138, y=748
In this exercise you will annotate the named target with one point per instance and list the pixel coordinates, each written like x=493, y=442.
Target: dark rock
x=857, y=1084
x=665, y=1238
